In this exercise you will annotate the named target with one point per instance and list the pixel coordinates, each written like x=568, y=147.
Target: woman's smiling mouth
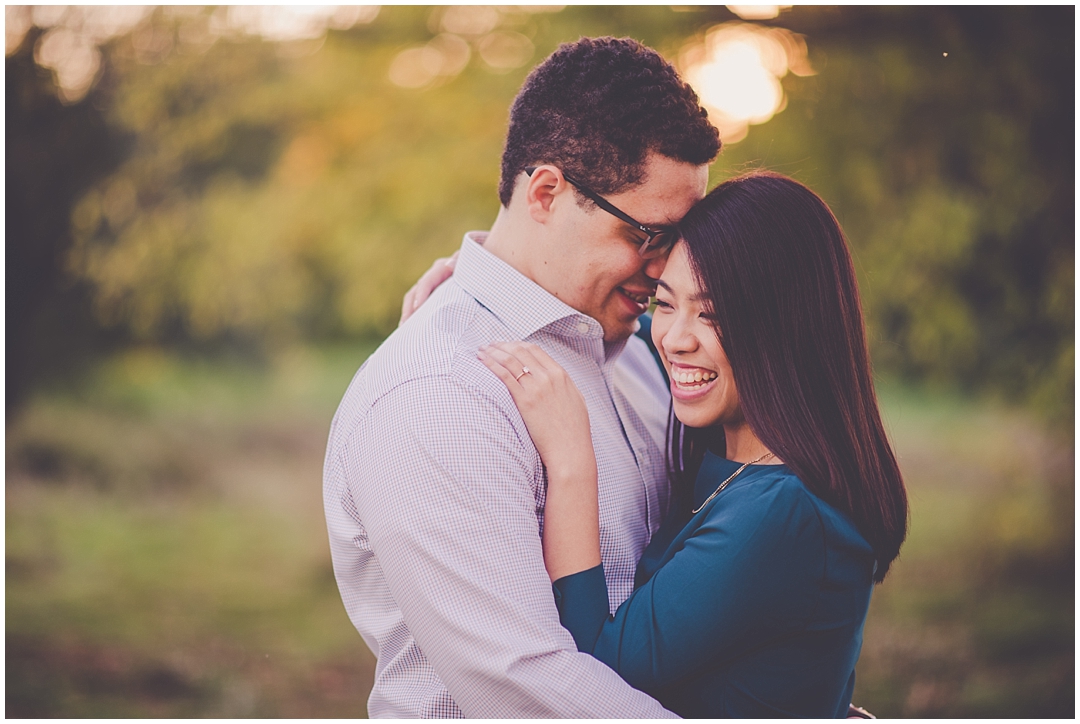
x=689, y=382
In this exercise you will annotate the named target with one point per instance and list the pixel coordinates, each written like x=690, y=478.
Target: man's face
x=594, y=265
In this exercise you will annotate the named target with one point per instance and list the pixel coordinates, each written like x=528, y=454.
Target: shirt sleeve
x=747, y=576
x=444, y=485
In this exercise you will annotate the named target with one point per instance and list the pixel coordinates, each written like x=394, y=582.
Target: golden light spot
x=505, y=50
x=415, y=67
x=285, y=23
x=736, y=71
x=444, y=56
x=757, y=12
x=455, y=53
x=469, y=20
x=73, y=59
x=17, y=21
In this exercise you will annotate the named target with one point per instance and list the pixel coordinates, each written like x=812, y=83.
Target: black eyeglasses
x=659, y=241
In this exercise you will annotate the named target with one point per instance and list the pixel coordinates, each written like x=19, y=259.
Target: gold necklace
x=733, y=476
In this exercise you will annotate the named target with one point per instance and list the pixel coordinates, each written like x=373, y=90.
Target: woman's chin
x=692, y=415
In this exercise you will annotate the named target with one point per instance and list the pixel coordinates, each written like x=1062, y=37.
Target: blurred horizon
x=213, y=213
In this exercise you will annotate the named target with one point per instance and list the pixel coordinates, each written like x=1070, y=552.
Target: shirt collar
x=519, y=302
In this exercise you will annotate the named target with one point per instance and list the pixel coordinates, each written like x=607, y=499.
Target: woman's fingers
x=550, y=404
x=507, y=359
x=440, y=271
x=501, y=370
x=529, y=355
x=407, y=306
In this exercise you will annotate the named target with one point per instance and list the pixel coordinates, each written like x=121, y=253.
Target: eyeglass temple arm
x=602, y=203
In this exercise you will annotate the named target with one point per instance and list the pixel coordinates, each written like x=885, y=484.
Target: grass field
x=167, y=556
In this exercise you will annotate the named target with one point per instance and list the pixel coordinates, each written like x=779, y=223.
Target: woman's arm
x=747, y=576
x=558, y=421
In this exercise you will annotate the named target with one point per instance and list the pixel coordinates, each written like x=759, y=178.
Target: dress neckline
x=714, y=469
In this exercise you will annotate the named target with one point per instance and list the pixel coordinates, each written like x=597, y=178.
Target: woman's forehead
x=678, y=278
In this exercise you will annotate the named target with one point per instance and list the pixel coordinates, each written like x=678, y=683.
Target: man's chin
x=620, y=331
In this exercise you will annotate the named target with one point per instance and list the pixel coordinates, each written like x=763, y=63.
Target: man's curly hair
x=596, y=108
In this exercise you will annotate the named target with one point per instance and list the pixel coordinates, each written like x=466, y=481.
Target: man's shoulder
x=639, y=358
x=432, y=355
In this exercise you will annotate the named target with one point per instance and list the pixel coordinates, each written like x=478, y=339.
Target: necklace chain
x=732, y=477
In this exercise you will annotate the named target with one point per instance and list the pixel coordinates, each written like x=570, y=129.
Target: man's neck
x=510, y=241
x=506, y=241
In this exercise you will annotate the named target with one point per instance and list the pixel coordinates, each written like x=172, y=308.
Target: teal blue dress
x=753, y=607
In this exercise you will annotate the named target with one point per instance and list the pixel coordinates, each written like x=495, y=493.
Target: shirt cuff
x=582, y=600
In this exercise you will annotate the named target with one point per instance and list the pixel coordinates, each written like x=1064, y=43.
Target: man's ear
x=541, y=190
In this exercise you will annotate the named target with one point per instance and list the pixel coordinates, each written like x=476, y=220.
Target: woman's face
x=702, y=385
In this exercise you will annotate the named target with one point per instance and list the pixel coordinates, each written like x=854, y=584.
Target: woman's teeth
x=694, y=379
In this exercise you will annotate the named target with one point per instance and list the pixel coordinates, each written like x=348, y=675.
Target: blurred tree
x=291, y=190
x=944, y=140
x=54, y=152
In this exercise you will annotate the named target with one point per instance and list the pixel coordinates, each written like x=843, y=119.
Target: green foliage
x=942, y=138
x=271, y=194
x=278, y=196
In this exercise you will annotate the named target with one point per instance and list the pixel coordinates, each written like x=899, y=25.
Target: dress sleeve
x=582, y=600
x=748, y=575
x=445, y=494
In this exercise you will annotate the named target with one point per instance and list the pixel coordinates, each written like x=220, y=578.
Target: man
x=434, y=492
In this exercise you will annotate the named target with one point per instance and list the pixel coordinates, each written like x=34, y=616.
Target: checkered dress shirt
x=434, y=497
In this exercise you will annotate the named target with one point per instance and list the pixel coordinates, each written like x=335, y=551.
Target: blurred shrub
x=280, y=196
x=273, y=191
x=943, y=139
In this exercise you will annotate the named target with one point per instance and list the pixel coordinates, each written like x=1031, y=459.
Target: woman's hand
x=554, y=411
x=549, y=401
x=439, y=272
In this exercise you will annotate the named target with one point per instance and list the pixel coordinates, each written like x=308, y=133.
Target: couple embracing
x=535, y=512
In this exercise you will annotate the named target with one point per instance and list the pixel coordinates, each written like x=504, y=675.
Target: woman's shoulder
x=778, y=495
x=769, y=485
x=787, y=493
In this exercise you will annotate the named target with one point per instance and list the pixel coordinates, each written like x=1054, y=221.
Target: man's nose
x=655, y=267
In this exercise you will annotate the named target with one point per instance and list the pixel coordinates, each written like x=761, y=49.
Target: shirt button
x=583, y=327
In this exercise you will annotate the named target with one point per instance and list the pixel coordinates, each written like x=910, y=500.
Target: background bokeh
x=212, y=215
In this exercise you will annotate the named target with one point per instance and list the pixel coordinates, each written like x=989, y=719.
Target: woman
x=788, y=505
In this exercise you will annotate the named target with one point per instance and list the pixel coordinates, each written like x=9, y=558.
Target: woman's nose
x=679, y=338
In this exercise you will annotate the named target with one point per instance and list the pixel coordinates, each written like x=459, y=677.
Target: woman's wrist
x=573, y=468
x=571, y=518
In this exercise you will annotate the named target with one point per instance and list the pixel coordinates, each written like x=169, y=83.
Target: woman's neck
x=743, y=445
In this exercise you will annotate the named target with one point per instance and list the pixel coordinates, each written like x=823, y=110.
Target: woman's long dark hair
x=775, y=267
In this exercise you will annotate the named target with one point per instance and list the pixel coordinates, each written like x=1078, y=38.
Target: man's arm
x=443, y=481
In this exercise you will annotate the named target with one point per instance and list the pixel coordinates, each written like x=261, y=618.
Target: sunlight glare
x=757, y=12
x=736, y=71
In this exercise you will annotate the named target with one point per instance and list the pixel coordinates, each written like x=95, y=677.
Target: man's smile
x=639, y=297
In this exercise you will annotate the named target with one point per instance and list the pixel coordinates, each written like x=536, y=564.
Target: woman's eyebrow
x=696, y=297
